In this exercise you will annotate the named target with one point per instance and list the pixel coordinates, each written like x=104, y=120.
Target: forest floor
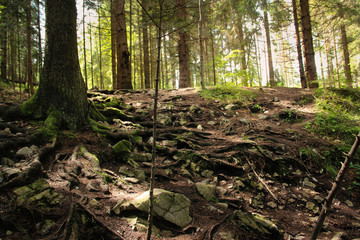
x=257, y=155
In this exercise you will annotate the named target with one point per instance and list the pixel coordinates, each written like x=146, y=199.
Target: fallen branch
x=336, y=185
x=262, y=181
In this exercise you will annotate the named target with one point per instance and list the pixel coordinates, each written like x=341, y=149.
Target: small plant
x=255, y=108
x=228, y=92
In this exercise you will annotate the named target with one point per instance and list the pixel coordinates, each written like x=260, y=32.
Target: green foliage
x=339, y=115
x=228, y=92
x=291, y=116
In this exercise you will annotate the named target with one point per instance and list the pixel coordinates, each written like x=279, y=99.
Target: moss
x=51, y=125
x=98, y=127
x=113, y=113
x=123, y=146
x=29, y=107
x=95, y=114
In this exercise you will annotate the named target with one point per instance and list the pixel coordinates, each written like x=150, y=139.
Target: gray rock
x=24, y=152
x=244, y=120
x=6, y=132
x=349, y=203
x=172, y=207
x=339, y=236
x=208, y=191
x=7, y=162
x=230, y=106
x=169, y=143
x=46, y=226
x=308, y=183
x=272, y=205
x=211, y=122
x=207, y=173
x=263, y=116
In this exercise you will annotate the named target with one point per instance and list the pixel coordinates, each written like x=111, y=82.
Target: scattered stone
x=7, y=162
x=200, y=128
x=207, y=173
x=132, y=180
x=226, y=236
x=6, y=132
x=230, y=107
x=34, y=148
x=195, y=109
x=211, y=123
x=244, y=121
x=45, y=227
x=339, y=236
x=349, y=203
x=172, y=207
x=141, y=157
x=272, y=205
x=208, y=191
x=24, y=152
x=214, y=209
x=318, y=198
x=308, y=183
x=276, y=99
x=263, y=116
x=9, y=173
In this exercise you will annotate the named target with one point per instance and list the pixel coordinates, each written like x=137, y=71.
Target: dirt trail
x=234, y=144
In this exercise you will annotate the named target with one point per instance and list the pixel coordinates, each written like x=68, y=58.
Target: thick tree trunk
x=184, y=55
x=298, y=46
x=347, y=67
x=123, y=56
x=268, y=44
x=62, y=87
x=146, y=48
x=310, y=66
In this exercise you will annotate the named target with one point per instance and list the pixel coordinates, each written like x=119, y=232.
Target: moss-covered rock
x=115, y=113
x=172, y=207
x=123, y=149
x=208, y=191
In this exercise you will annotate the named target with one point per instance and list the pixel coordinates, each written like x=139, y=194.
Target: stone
x=200, y=128
x=339, y=236
x=207, y=173
x=169, y=143
x=272, y=205
x=24, y=152
x=208, y=191
x=349, y=203
x=226, y=236
x=257, y=224
x=6, y=132
x=170, y=206
x=34, y=148
x=141, y=157
x=46, y=227
x=230, y=106
x=9, y=173
x=244, y=121
x=308, y=183
x=7, y=162
x=195, y=109
x=123, y=146
x=263, y=116
x=211, y=122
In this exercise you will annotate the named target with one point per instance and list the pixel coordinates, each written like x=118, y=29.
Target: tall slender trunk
x=113, y=44
x=4, y=49
x=347, y=67
x=242, y=51
x=268, y=44
x=310, y=66
x=298, y=46
x=321, y=64
x=91, y=59
x=84, y=38
x=146, y=48
x=28, y=40
x=330, y=67
x=213, y=58
x=39, y=36
x=141, y=63
x=257, y=60
x=100, y=51
x=183, y=49
x=201, y=44
x=336, y=59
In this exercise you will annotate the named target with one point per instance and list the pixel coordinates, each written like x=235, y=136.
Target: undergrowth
x=228, y=92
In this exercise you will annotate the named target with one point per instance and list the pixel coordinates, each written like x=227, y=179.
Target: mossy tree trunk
x=62, y=88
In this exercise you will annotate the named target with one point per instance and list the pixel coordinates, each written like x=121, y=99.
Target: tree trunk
x=91, y=59
x=268, y=44
x=201, y=45
x=62, y=87
x=146, y=48
x=84, y=38
x=141, y=63
x=336, y=59
x=347, y=67
x=113, y=44
x=123, y=56
x=100, y=51
x=213, y=58
x=39, y=36
x=4, y=49
x=28, y=40
x=298, y=46
x=310, y=66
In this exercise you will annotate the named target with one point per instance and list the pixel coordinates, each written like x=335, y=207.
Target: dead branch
x=336, y=185
x=262, y=181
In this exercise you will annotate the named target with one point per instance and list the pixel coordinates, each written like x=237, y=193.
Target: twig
x=262, y=181
x=336, y=185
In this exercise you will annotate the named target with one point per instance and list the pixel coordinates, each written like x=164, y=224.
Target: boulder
x=172, y=207
x=257, y=224
x=208, y=191
x=24, y=152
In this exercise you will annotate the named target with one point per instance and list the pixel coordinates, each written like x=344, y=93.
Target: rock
x=244, y=121
x=132, y=180
x=272, y=205
x=6, y=132
x=200, y=128
x=349, y=203
x=339, y=236
x=195, y=109
x=7, y=162
x=141, y=157
x=214, y=209
x=208, y=191
x=140, y=225
x=230, y=107
x=123, y=146
x=45, y=227
x=24, y=152
x=172, y=207
x=9, y=173
x=226, y=236
x=207, y=173
x=312, y=207
x=263, y=116
x=308, y=183
x=276, y=99
x=34, y=148
x=211, y=122
x=257, y=224
x=169, y=143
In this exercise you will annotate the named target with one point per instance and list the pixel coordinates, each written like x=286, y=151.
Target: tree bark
x=146, y=48
x=28, y=40
x=310, y=66
x=347, y=67
x=113, y=44
x=268, y=44
x=298, y=46
x=4, y=49
x=62, y=87
x=123, y=56
x=100, y=51
x=184, y=55
x=84, y=38
x=201, y=45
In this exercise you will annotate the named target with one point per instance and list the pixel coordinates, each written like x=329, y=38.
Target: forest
x=181, y=119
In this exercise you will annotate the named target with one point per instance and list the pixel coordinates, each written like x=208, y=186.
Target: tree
x=268, y=44
x=310, y=66
x=62, y=93
x=28, y=40
x=201, y=44
x=298, y=46
x=146, y=46
x=122, y=52
x=184, y=55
